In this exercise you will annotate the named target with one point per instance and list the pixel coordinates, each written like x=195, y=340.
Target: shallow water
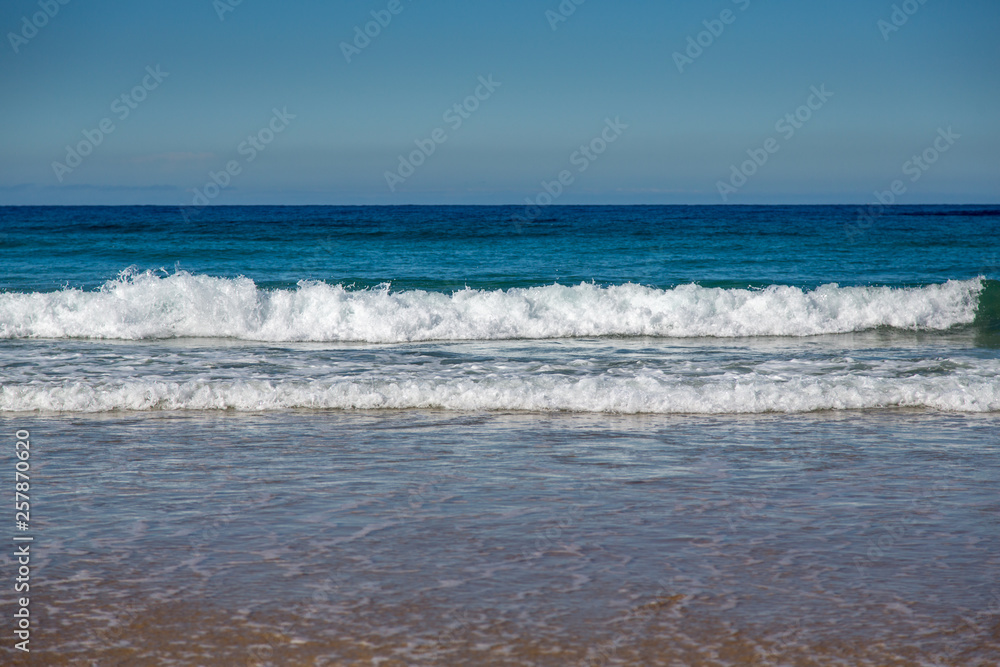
x=429, y=537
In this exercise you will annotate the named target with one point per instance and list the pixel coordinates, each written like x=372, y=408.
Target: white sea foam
x=643, y=393
x=151, y=305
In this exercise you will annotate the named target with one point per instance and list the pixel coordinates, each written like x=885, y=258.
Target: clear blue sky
x=557, y=88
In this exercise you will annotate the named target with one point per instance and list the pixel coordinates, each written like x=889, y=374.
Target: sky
x=205, y=102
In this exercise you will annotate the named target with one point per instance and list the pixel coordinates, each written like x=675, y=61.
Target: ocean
x=641, y=435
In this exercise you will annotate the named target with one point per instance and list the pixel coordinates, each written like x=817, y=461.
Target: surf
x=157, y=305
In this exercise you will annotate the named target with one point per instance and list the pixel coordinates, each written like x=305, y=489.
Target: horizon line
x=519, y=205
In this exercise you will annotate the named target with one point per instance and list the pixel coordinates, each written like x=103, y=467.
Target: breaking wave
x=153, y=305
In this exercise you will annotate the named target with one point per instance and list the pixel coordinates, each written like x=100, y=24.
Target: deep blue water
x=450, y=247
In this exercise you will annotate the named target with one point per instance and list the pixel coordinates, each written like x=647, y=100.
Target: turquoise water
x=447, y=435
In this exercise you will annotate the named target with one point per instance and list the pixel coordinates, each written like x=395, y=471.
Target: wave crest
x=152, y=305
